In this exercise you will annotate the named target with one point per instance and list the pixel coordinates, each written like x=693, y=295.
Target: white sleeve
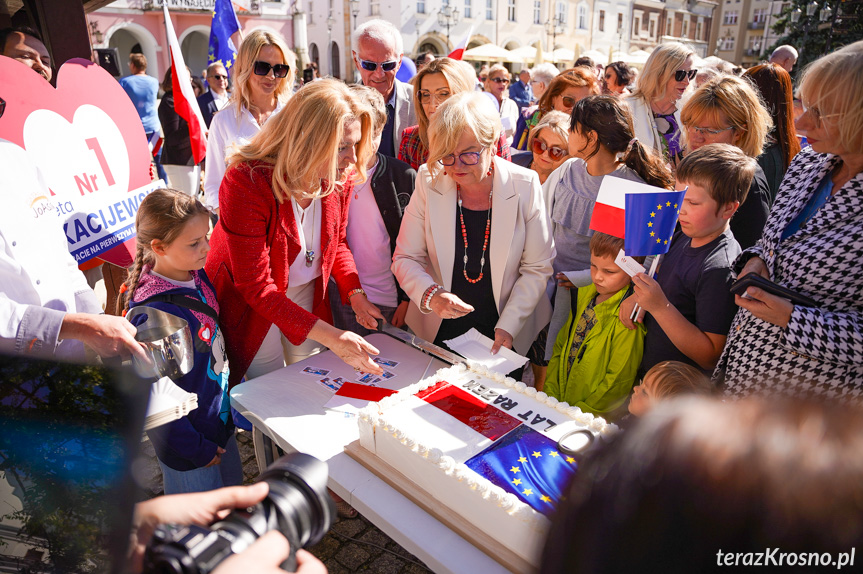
x=216, y=143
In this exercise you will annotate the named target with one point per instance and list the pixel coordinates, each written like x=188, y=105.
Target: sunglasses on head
x=539, y=147
x=279, y=70
x=680, y=75
x=372, y=66
x=500, y=80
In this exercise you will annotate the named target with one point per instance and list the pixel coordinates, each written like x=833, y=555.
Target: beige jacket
x=521, y=250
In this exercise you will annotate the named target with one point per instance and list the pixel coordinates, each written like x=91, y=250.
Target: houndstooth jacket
x=820, y=351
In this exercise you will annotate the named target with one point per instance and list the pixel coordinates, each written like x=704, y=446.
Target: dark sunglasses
x=221, y=77
x=539, y=147
x=679, y=75
x=569, y=102
x=279, y=70
x=500, y=80
x=372, y=66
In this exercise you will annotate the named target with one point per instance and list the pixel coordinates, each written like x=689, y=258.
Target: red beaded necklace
x=464, y=231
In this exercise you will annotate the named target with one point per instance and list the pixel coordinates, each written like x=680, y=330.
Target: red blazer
x=251, y=250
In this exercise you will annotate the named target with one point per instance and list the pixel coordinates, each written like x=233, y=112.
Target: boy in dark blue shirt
x=689, y=306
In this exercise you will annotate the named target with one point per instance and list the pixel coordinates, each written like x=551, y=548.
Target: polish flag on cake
x=609, y=212
x=462, y=46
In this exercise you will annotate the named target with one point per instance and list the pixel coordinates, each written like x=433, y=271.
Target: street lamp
x=448, y=17
x=554, y=27
x=355, y=10
x=826, y=13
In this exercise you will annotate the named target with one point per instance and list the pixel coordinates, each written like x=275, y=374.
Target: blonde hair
x=663, y=62
x=673, y=378
x=378, y=107
x=161, y=216
x=456, y=78
x=739, y=102
x=244, y=68
x=302, y=141
x=466, y=112
x=554, y=121
x=497, y=70
x=833, y=84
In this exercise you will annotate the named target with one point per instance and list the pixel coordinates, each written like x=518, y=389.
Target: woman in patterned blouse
x=433, y=85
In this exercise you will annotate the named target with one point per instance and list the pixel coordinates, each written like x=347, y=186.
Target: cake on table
x=480, y=452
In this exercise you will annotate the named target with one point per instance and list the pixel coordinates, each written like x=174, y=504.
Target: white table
x=287, y=406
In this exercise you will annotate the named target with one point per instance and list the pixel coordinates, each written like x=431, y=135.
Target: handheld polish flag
x=610, y=208
x=224, y=25
x=458, y=52
x=185, y=103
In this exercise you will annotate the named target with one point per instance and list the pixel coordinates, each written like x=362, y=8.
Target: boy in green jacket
x=595, y=356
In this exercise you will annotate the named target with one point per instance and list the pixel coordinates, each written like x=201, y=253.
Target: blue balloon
x=407, y=70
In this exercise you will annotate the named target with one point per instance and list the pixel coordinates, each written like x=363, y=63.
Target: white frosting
x=420, y=441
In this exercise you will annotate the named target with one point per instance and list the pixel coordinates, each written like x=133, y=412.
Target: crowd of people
x=338, y=206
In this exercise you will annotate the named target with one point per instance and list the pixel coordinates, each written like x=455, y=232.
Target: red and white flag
x=462, y=46
x=609, y=212
x=185, y=103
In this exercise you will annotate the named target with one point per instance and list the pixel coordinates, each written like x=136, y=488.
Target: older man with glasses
x=217, y=96
x=377, y=51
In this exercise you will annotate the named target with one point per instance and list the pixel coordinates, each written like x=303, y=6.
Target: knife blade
x=419, y=343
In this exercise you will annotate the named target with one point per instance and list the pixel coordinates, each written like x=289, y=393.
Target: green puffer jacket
x=602, y=376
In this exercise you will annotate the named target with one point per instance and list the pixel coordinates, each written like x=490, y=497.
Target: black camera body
x=297, y=505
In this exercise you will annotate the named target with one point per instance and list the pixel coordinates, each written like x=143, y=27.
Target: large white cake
x=479, y=451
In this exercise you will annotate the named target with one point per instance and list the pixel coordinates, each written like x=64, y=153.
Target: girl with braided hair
x=197, y=452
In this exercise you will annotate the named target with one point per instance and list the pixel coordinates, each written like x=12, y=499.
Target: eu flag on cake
x=225, y=23
x=527, y=464
x=650, y=221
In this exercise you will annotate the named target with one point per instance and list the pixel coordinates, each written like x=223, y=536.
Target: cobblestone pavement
x=351, y=545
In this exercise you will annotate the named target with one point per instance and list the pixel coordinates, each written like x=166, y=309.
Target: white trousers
x=276, y=351
x=185, y=178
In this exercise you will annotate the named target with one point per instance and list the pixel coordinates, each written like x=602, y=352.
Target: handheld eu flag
x=225, y=23
x=650, y=221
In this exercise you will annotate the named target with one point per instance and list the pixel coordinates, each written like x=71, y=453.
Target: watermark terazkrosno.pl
x=774, y=557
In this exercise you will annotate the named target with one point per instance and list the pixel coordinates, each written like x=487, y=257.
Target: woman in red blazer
x=281, y=235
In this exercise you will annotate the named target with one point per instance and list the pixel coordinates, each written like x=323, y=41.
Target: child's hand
x=625, y=313
x=648, y=293
x=563, y=281
x=218, y=458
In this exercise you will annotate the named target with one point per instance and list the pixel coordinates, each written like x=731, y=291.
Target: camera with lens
x=297, y=505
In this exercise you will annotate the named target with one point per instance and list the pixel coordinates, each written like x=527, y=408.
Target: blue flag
x=527, y=464
x=225, y=23
x=650, y=221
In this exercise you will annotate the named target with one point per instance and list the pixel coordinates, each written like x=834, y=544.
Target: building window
x=759, y=15
x=510, y=10
x=311, y=12
x=374, y=8
x=537, y=11
x=619, y=23
x=652, y=32
x=602, y=20
x=560, y=12
x=468, y=12
x=698, y=28
x=636, y=26
x=727, y=44
x=730, y=18
x=668, y=26
x=685, y=31
x=489, y=9
x=421, y=7
x=582, y=17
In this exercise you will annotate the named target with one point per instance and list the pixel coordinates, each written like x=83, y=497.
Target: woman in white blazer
x=475, y=245
x=654, y=104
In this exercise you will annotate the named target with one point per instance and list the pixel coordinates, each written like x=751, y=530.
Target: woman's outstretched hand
x=355, y=351
x=448, y=306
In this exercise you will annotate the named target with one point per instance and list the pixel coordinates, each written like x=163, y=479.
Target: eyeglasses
x=279, y=70
x=539, y=147
x=680, y=75
x=500, y=80
x=440, y=96
x=815, y=111
x=466, y=158
x=385, y=66
x=221, y=77
x=711, y=132
x=569, y=102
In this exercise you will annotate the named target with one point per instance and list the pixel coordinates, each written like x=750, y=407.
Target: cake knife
x=420, y=344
